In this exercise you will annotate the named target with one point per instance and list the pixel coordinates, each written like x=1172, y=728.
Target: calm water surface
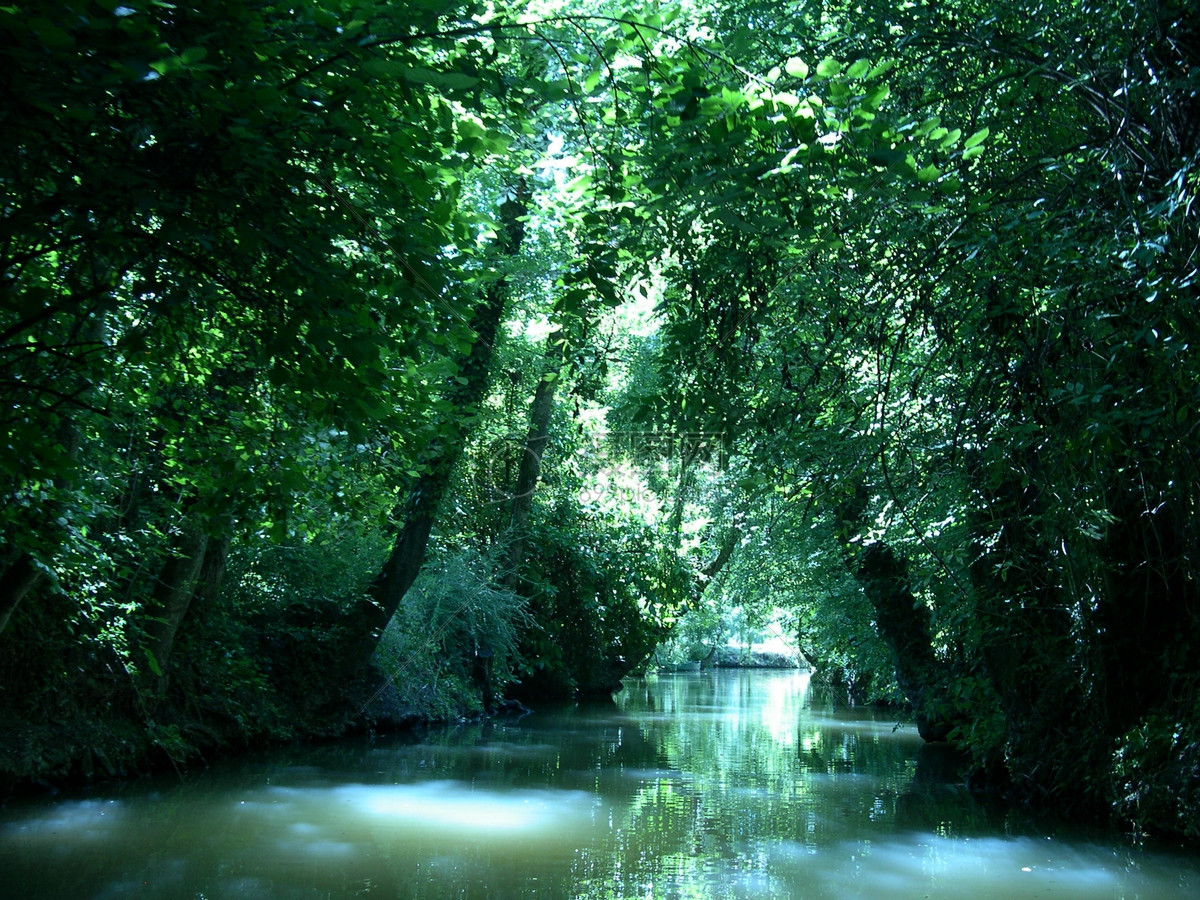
x=707, y=785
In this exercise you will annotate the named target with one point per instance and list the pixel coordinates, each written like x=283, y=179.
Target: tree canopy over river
x=371, y=361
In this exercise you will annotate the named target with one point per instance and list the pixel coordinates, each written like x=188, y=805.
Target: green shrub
x=434, y=647
x=1156, y=775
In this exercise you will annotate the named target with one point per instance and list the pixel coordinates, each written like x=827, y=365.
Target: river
x=732, y=784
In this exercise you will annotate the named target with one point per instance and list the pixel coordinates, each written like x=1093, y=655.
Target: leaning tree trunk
x=903, y=622
x=533, y=449
x=419, y=513
x=172, y=597
x=19, y=578
x=905, y=625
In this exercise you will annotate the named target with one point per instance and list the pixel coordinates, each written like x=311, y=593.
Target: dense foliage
x=368, y=361
x=961, y=374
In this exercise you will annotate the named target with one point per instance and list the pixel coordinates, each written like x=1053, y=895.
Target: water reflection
x=722, y=785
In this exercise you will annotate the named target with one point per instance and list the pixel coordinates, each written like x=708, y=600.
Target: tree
x=968, y=345
x=225, y=277
x=463, y=400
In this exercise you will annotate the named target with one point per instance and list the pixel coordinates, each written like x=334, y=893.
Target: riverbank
x=72, y=746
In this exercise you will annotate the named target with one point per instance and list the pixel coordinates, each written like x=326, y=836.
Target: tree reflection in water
x=727, y=784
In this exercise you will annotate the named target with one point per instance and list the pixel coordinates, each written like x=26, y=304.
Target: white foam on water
x=74, y=821
x=451, y=804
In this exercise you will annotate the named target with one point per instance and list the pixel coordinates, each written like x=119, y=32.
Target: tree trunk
x=905, y=625
x=408, y=552
x=1143, y=619
x=732, y=538
x=18, y=579
x=533, y=449
x=212, y=573
x=902, y=622
x=173, y=592
x=419, y=514
x=1026, y=639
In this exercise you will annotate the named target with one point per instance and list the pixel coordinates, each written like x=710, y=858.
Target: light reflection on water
x=721, y=785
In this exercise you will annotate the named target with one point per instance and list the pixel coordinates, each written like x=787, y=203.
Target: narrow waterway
x=732, y=784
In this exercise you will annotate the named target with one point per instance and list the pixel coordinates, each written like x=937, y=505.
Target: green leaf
x=859, y=68
x=470, y=128
x=929, y=126
x=152, y=662
x=950, y=138
x=193, y=55
x=882, y=69
x=579, y=184
x=50, y=34
x=552, y=91
x=454, y=80
x=828, y=67
x=496, y=141
x=421, y=74
x=876, y=96
x=791, y=155
x=888, y=158
x=796, y=67
x=977, y=138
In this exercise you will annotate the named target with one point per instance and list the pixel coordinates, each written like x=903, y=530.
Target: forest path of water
x=729, y=784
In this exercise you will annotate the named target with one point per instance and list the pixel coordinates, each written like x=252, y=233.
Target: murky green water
x=724, y=785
